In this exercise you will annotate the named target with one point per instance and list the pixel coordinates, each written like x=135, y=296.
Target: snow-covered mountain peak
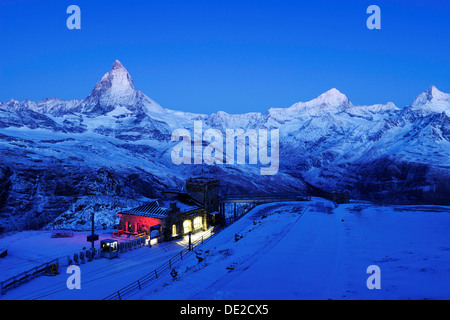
x=118, y=65
x=330, y=101
x=12, y=103
x=118, y=80
x=116, y=89
x=332, y=97
x=432, y=93
x=432, y=100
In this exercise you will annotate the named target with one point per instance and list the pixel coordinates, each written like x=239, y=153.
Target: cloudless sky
x=236, y=56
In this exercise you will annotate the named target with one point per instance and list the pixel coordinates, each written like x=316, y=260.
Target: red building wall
x=137, y=224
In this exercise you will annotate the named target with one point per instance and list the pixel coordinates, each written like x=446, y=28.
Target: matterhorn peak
x=116, y=89
x=118, y=78
x=118, y=65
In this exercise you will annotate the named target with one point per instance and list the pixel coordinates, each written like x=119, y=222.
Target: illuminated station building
x=177, y=213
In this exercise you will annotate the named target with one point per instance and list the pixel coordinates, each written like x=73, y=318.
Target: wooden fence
x=49, y=268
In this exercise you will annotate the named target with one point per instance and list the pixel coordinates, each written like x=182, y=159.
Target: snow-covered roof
x=151, y=209
x=183, y=201
x=159, y=208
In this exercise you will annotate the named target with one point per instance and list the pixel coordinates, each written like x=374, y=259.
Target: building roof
x=151, y=209
x=160, y=208
x=183, y=201
x=108, y=241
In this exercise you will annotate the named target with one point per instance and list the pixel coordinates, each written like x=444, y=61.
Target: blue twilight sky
x=237, y=56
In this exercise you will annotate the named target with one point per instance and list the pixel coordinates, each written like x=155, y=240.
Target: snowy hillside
x=116, y=142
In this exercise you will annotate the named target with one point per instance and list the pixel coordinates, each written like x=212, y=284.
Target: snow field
x=320, y=255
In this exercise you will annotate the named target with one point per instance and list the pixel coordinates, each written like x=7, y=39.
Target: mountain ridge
x=120, y=82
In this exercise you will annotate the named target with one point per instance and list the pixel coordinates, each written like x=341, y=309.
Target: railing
x=265, y=197
x=140, y=235
x=13, y=282
x=147, y=279
x=118, y=233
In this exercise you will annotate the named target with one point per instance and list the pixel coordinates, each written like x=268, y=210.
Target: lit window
x=187, y=226
x=198, y=223
x=174, y=230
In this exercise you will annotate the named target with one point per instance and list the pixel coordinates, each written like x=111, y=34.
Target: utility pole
x=93, y=237
x=92, y=230
x=190, y=232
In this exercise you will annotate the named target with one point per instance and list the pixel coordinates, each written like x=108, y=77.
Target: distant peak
x=434, y=91
x=431, y=94
x=333, y=91
x=432, y=100
x=332, y=97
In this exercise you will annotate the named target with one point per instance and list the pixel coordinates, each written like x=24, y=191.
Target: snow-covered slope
x=117, y=142
x=318, y=256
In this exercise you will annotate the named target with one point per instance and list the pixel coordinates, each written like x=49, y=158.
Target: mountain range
x=116, y=144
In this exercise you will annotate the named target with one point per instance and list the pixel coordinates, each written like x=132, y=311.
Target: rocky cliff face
x=117, y=143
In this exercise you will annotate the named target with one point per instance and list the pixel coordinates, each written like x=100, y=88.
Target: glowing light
x=187, y=226
x=174, y=230
x=198, y=223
